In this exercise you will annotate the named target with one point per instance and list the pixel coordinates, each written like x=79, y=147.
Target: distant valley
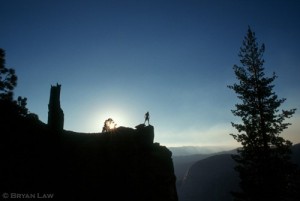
x=207, y=173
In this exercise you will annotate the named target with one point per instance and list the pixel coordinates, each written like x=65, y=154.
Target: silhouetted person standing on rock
x=147, y=118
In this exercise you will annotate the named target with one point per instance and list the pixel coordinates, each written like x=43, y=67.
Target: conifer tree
x=8, y=81
x=263, y=162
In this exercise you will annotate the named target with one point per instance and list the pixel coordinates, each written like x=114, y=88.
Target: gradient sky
x=120, y=59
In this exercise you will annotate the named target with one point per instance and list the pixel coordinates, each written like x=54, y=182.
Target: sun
x=111, y=125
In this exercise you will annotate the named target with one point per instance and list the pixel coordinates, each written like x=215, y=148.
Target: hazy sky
x=120, y=59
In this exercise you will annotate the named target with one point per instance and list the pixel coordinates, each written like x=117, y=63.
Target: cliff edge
x=123, y=164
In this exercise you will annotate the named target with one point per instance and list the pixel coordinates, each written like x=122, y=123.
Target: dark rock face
x=123, y=164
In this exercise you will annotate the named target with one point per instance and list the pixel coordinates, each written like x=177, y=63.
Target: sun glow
x=111, y=125
x=118, y=113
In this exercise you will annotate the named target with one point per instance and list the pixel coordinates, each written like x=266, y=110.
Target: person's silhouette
x=147, y=118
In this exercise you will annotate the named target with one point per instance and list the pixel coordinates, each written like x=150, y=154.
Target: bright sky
x=120, y=58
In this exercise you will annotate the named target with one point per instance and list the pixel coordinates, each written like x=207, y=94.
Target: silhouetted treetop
x=259, y=107
x=8, y=79
x=109, y=125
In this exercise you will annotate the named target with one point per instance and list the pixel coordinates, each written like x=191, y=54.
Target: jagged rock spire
x=55, y=113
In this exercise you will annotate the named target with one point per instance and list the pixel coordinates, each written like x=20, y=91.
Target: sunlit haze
x=119, y=59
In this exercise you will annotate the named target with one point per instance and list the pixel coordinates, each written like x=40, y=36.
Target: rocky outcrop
x=123, y=164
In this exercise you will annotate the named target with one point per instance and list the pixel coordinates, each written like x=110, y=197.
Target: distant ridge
x=191, y=150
